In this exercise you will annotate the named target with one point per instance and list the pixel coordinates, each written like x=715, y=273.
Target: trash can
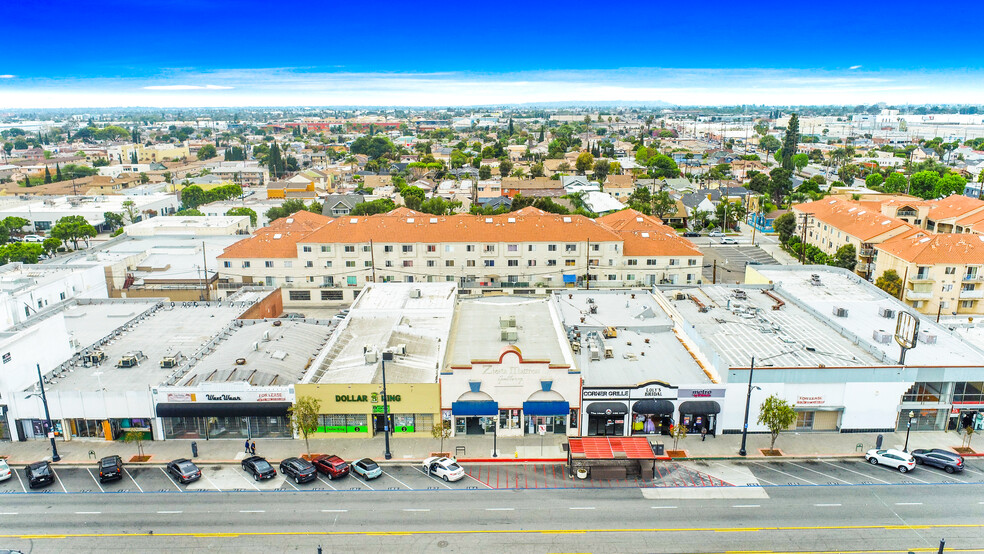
x=878, y=441
x=194, y=449
x=659, y=449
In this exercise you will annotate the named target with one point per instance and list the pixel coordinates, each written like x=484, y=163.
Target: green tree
x=136, y=437
x=770, y=144
x=50, y=245
x=874, y=180
x=782, y=184
x=662, y=167
x=890, y=282
x=275, y=162
x=895, y=183
x=413, y=197
x=848, y=172
x=785, y=225
x=439, y=206
x=585, y=161
x=790, y=141
x=442, y=430
x=601, y=170
x=923, y=184
x=73, y=228
x=189, y=212
x=949, y=184
x=846, y=257
x=800, y=161
x=760, y=183
x=734, y=211
x=536, y=170
x=777, y=415
x=113, y=220
x=484, y=172
x=193, y=196
x=24, y=252
x=505, y=167
x=58, y=173
x=290, y=206
x=373, y=147
x=207, y=152
x=244, y=211
x=663, y=204
x=47, y=175
x=304, y=417
x=378, y=206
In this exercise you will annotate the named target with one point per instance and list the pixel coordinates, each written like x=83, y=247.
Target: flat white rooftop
x=477, y=335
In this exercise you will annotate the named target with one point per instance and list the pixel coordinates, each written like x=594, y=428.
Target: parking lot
x=411, y=477
x=731, y=261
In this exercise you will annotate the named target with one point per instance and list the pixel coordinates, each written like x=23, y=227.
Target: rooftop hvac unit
x=169, y=362
x=372, y=356
x=507, y=321
x=927, y=337
x=266, y=335
x=840, y=312
x=509, y=334
x=592, y=308
x=256, y=346
x=887, y=313
x=400, y=349
x=815, y=280
x=881, y=336
x=680, y=295
x=414, y=293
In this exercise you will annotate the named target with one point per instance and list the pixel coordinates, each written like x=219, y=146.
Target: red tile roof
x=930, y=249
x=279, y=239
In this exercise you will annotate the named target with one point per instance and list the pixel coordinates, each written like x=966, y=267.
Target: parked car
x=891, y=457
x=33, y=238
x=729, y=240
x=715, y=234
x=367, y=468
x=5, y=472
x=298, y=469
x=691, y=234
x=332, y=466
x=937, y=457
x=39, y=474
x=445, y=468
x=185, y=471
x=110, y=468
x=259, y=468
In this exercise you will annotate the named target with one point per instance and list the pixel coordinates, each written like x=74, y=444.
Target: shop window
x=968, y=393
x=924, y=392
x=508, y=419
x=300, y=295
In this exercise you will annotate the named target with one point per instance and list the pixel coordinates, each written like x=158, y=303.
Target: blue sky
x=188, y=53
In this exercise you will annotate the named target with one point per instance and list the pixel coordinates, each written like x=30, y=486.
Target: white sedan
x=4, y=471
x=445, y=468
x=898, y=459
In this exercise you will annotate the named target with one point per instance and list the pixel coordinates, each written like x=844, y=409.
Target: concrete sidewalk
x=469, y=448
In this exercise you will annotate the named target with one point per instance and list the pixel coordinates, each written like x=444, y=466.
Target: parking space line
x=327, y=483
x=858, y=472
x=908, y=503
x=241, y=475
x=132, y=479
x=98, y=484
x=87, y=513
x=252, y=511
x=746, y=506
x=57, y=478
x=416, y=509
x=950, y=476
x=663, y=507
x=908, y=475
x=827, y=505
x=581, y=508
x=784, y=473
x=432, y=477
x=169, y=512
x=168, y=477
x=398, y=481
x=14, y=471
x=291, y=484
x=499, y=509
x=352, y=475
x=483, y=482
x=820, y=473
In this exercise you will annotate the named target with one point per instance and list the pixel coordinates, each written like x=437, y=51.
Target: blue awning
x=570, y=278
x=475, y=408
x=546, y=408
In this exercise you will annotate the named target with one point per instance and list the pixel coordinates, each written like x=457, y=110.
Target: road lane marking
x=351, y=474
x=826, y=505
x=168, y=477
x=398, y=481
x=8, y=513
x=441, y=481
x=857, y=472
x=663, y=507
x=98, y=484
x=53, y=472
x=169, y=512
x=252, y=511
x=747, y=506
x=784, y=473
x=499, y=509
x=335, y=511
x=581, y=508
x=87, y=513
x=908, y=503
x=132, y=479
x=327, y=483
x=416, y=509
x=820, y=473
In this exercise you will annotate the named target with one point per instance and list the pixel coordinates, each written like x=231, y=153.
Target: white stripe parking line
x=820, y=473
x=747, y=506
x=477, y=481
x=169, y=512
x=416, y=509
x=826, y=505
x=8, y=513
x=499, y=509
x=973, y=470
x=139, y=488
x=857, y=472
x=14, y=471
x=244, y=479
x=398, y=481
x=327, y=483
x=335, y=511
x=98, y=484
x=352, y=475
x=55, y=473
x=286, y=480
x=908, y=503
x=445, y=485
x=168, y=477
x=213, y=484
x=252, y=511
x=87, y=513
x=760, y=464
x=663, y=507
x=581, y=508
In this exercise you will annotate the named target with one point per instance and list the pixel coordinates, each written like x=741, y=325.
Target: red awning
x=611, y=448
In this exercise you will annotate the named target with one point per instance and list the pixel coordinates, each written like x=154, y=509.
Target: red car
x=332, y=466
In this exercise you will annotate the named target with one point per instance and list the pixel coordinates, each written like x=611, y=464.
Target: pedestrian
x=703, y=434
x=252, y=448
x=247, y=446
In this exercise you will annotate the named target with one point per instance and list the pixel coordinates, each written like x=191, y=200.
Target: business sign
x=180, y=397
x=6, y=357
x=209, y=397
x=605, y=393
x=701, y=392
x=374, y=398
x=809, y=401
x=650, y=390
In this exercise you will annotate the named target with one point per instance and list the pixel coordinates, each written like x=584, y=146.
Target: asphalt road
x=897, y=516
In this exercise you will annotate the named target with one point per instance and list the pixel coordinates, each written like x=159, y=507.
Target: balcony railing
x=918, y=278
x=972, y=294
x=973, y=277
x=914, y=295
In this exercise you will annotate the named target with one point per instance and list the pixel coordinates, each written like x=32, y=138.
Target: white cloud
x=186, y=87
x=855, y=67
x=6, y=76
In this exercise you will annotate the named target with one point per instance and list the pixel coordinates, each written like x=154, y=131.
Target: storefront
x=356, y=410
x=814, y=413
x=651, y=408
x=4, y=426
x=233, y=411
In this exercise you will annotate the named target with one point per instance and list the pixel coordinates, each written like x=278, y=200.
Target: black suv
x=937, y=457
x=39, y=474
x=185, y=471
x=300, y=470
x=110, y=468
x=259, y=468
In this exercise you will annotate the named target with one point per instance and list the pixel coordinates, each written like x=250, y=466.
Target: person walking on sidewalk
x=703, y=434
x=247, y=446
x=252, y=448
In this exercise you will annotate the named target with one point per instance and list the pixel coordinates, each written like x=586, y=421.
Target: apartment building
x=941, y=273
x=315, y=259
x=247, y=174
x=832, y=223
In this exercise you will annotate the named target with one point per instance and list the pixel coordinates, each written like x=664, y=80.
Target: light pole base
x=56, y=458
x=742, y=452
x=388, y=456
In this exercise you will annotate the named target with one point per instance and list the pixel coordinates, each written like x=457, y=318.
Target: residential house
x=338, y=205
x=288, y=189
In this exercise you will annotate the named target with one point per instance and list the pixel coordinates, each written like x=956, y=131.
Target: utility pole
x=806, y=220
x=372, y=261
x=587, y=266
x=714, y=272
x=205, y=294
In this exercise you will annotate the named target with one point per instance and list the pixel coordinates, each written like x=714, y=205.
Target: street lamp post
x=47, y=416
x=495, y=436
x=386, y=416
x=908, y=427
x=748, y=401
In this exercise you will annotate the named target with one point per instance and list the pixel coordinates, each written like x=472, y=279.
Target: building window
x=595, y=247
x=407, y=248
x=388, y=263
x=367, y=263
x=673, y=261
x=350, y=263
x=512, y=248
x=570, y=248
x=489, y=248
x=551, y=248
x=448, y=263
x=924, y=392
x=530, y=263
x=432, y=248
x=300, y=295
x=407, y=263
x=245, y=264
x=469, y=248
x=325, y=248
x=331, y=294
x=388, y=248
x=512, y=263
x=431, y=263
x=950, y=270
x=349, y=248
x=489, y=263
x=328, y=263
x=630, y=277
x=531, y=248
x=309, y=263
x=305, y=249
x=569, y=263
x=287, y=263
x=612, y=277
x=448, y=248
x=692, y=262
x=469, y=263
x=351, y=280
x=651, y=261
x=551, y=262
x=631, y=261
x=966, y=304
x=226, y=264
